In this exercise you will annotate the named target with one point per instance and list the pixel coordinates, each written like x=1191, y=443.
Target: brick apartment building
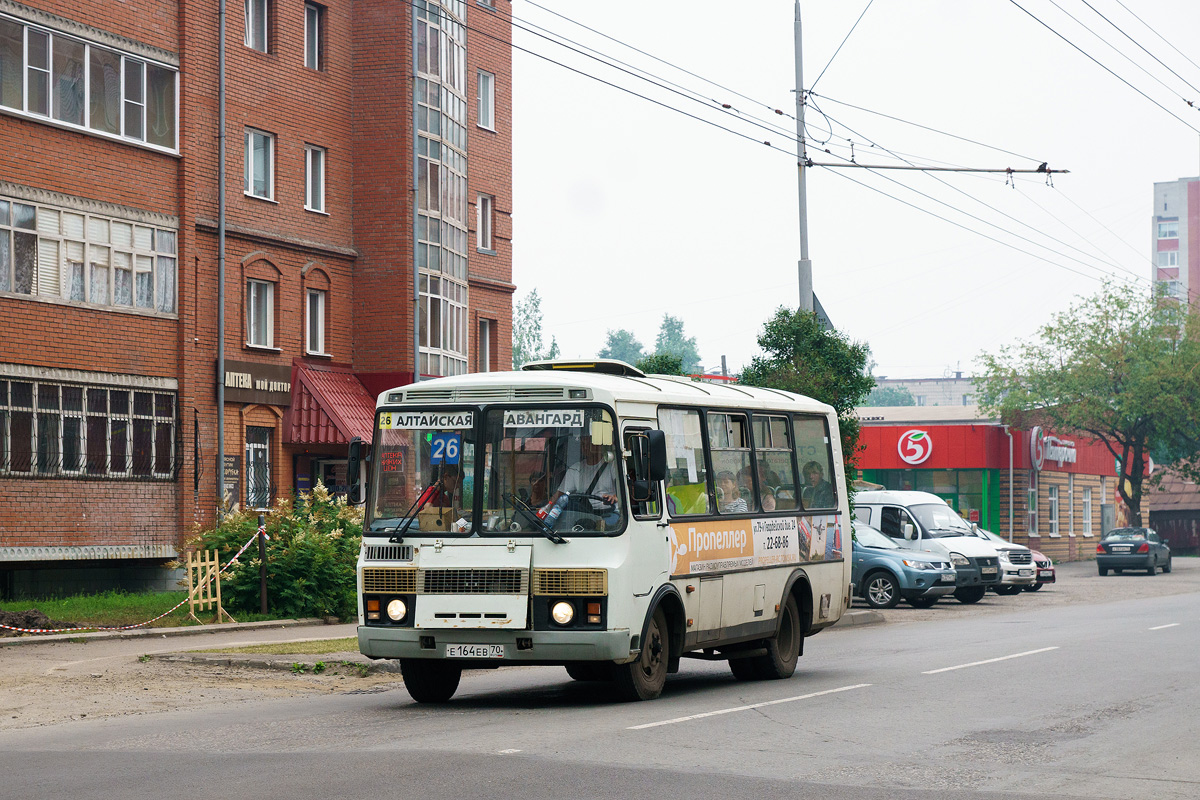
x=367, y=238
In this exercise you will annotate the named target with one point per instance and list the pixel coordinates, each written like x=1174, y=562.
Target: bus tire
x=430, y=681
x=644, y=678
x=783, y=650
x=590, y=670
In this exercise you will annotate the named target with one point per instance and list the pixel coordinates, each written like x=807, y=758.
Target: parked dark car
x=1132, y=548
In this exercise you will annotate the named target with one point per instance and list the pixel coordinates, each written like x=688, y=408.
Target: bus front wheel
x=430, y=681
x=644, y=678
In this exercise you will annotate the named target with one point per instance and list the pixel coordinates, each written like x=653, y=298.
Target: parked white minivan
x=923, y=521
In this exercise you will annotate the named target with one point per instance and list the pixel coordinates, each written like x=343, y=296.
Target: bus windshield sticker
x=444, y=448
x=543, y=418
x=412, y=420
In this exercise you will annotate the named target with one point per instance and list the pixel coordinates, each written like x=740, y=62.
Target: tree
x=670, y=340
x=1122, y=367
x=661, y=364
x=804, y=357
x=527, y=332
x=890, y=396
x=623, y=346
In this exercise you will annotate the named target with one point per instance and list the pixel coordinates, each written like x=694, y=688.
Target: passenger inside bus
x=729, y=499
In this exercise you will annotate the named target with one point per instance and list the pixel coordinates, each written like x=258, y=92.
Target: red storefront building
x=1052, y=492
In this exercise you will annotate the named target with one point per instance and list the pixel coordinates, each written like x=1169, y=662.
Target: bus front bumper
x=519, y=647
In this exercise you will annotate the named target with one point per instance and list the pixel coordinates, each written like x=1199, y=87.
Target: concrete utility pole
x=805, y=266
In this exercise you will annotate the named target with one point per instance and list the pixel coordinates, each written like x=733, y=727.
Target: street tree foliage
x=890, y=396
x=802, y=356
x=527, y=332
x=623, y=346
x=672, y=341
x=1122, y=367
x=661, y=364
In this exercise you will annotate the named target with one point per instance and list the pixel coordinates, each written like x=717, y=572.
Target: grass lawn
x=119, y=609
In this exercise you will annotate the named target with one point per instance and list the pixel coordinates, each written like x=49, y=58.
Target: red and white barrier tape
x=228, y=564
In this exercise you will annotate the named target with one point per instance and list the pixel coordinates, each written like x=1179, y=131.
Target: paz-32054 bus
x=590, y=516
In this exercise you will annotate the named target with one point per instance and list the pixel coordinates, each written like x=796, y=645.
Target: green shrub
x=312, y=549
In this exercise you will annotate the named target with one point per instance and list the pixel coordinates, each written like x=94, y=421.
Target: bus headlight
x=396, y=610
x=563, y=612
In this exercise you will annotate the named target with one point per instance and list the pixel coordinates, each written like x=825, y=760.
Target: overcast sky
x=626, y=209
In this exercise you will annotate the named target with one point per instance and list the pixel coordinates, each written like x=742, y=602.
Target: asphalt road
x=1029, y=696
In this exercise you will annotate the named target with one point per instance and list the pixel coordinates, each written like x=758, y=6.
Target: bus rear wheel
x=430, y=681
x=783, y=651
x=644, y=678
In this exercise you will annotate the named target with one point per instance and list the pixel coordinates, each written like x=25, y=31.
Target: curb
x=852, y=618
x=335, y=662
x=159, y=633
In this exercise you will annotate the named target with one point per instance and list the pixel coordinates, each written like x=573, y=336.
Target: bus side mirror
x=354, y=471
x=657, y=456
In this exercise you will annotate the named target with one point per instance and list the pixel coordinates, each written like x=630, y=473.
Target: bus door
x=649, y=545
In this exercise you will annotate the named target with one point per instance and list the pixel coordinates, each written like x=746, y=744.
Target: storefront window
x=258, y=467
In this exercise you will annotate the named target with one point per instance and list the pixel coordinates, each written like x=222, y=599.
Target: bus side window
x=643, y=509
x=776, y=469
x=817, y=481
x=687, y=474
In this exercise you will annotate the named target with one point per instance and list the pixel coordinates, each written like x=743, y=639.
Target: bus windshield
x=536, y=458
x=423, y=455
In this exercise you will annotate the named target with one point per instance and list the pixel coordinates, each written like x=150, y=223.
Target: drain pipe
x=220, y=470
x=1008, y=433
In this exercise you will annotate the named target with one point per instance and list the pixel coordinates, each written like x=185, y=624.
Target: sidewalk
x=333, y=632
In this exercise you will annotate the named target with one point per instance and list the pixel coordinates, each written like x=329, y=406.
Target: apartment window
x=1168, y=229
x=47, y=74
x=256, y=24
x=1032, y=501
x=260, y=313
x=314, y=178
x=483, y=349
x=443, y=326
x=314, y=325
x=1087, y=511
x=88, y=258
x=314, y=21
x=1168, y=258
x=487, y=100
x=483, y=222
x=69, y=430
x=258, y=467
x=260, y=161
x=1052, y=499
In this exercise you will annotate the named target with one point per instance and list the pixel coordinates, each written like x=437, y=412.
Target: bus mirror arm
x=353, y=470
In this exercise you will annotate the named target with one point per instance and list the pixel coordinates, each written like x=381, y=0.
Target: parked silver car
x=1017, y=570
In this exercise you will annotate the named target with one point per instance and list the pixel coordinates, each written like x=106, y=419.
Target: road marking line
x=508, y=752
x=1160, y=627
x=745, y=708
x=989, y=661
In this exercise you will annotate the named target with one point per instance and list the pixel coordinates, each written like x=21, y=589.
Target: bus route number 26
x=445, y=448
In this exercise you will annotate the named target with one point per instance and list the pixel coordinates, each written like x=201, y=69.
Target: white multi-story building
x=1175, y=228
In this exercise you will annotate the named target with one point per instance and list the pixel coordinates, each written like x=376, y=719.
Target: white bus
x=693, y=519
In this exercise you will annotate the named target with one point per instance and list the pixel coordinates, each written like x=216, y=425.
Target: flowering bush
x=312, y=549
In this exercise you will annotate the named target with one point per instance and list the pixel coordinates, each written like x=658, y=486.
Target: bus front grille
x=390, y=580
x=498, y=580
x=570, y=582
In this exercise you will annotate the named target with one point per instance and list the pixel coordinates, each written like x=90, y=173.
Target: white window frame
x=484, y=347
x=314, y=178
x=253, y=134
x=314, y=20
x=258, y=11
x=1168, y=229
x=486, y=95
x=314, y=340
x=484, y=216
x=1168, y=258
x=1070, y=504
x=1087, y=511
x=260, y=294
x=1032, y=498
x=265, y=448
x=1052, y=502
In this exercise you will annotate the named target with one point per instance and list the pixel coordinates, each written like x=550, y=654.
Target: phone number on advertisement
x=777, y=543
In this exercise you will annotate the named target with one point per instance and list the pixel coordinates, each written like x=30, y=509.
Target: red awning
x=329, y=406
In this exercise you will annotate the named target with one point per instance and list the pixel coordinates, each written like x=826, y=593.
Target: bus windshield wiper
x=406, y=521
x=527, y=512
